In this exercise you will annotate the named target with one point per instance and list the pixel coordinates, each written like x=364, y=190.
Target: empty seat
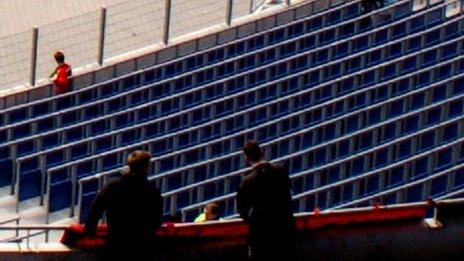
x=18, y=115
x=414, y=194
x=438, y=186
x=60, y=196
x=30, y=184
x=6, y=172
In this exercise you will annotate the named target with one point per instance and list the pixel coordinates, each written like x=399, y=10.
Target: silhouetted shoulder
x=249, y=178
x=278, y=166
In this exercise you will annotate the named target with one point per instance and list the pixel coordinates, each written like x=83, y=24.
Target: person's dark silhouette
x=369, y=5
x=366, y=5
x=264, y=201
x=133, y=208
x=379, y=3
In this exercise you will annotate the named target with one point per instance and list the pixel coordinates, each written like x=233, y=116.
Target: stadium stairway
x=358, y=106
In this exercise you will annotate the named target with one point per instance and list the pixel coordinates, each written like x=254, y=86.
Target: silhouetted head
x=211, y=211
x=139, y=162
x=59, y=57
x=253, y=151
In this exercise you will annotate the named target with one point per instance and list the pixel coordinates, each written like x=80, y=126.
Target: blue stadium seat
x=21, y=131
x=26, y=148
x=41, y=109
x=30, y=184
x=80, y=151
x=418, y=23
x=438, y=186
x=84, y=169
x=110, y=162
x=6, y=171
x=443, y=159
x=75, y=134
x=60, y=196
x=104, y=144
x=18, y=115
x=414, y=194
x=373, y=185
x=86, y=204
x=420, y=168
x=450, y=132
x=396, y=177
x=427, y=140
x=432, y=37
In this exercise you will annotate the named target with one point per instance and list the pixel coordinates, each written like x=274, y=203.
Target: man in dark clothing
x=369, y=5
x=133, y=209
x=379, y=3
x=366, y=5
x=264, y=201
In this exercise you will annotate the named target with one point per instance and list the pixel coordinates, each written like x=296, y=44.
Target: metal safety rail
x=31, y=231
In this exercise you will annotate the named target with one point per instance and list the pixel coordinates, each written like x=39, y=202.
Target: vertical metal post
x=101, y=42
x=28, y=235
x=167, y=21
x=288, y=2
x=251, y=6
x=229, y=4
x=35, y=40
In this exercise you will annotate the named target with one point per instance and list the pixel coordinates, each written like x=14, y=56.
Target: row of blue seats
x=382, y=92
x=316, y=160
x=332, y=197
x=49, y=123
x=192, y=137
x=367, y=187
x=447, y=74
x=78, y=129
x=437, y=185
x=363, y=142
x=183, y=66
x=54, y=140
x=437, y=93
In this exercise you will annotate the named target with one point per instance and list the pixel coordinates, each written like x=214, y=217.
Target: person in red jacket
x=61, y=75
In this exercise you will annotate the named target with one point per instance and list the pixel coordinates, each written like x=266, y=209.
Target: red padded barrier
x=74, y=236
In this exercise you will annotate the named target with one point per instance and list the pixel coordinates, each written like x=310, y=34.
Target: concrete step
x=8, y=215
x=7, y=205
x=33, y=216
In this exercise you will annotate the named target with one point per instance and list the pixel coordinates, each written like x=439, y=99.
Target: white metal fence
x=90, y=39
